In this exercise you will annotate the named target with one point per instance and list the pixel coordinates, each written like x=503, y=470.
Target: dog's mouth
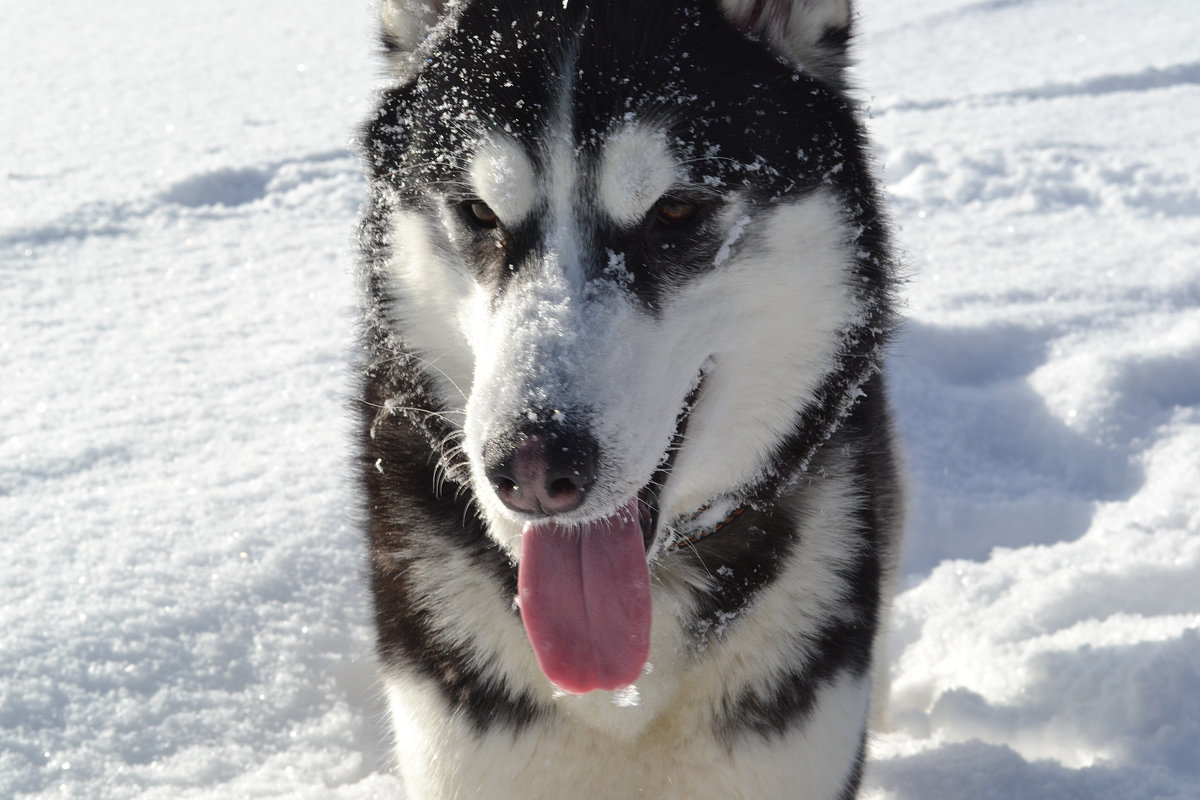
x=584, y=591
x=649, y=497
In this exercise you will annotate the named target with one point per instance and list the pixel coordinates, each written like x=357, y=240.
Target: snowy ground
x=182, y=613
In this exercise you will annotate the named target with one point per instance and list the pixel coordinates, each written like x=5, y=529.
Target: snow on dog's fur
x=630, y=487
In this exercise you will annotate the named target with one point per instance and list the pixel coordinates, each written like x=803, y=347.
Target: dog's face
x=614, y=257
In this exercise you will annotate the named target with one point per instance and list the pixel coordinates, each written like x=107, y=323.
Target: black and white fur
x=526, y=274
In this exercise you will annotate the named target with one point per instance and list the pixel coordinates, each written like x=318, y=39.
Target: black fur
x=411, y=521
x=756, y=545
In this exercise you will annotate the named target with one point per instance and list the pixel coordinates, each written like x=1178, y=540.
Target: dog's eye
x=480, y=214
x=674, y=212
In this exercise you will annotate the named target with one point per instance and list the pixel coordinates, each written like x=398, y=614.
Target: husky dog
x=628, y=468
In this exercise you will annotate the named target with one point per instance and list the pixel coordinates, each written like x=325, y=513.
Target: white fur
x=550, y=348
x=766, y=347
x=433, y=289
x=503, y=177
x=638, y=168
x=555, y=762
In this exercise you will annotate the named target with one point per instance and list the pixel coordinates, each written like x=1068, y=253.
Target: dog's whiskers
x=409, y=356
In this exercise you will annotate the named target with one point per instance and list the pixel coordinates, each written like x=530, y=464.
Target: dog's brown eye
x=481, y=214
x=674, y=212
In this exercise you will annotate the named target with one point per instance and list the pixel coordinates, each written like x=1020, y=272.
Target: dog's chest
x=677, y=755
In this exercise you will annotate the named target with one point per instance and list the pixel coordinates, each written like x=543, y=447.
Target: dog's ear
x=811, y=34
x=407, y=24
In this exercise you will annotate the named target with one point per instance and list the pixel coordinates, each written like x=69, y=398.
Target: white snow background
x=182, y=610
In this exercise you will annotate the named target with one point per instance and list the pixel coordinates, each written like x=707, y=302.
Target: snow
x=184, y=614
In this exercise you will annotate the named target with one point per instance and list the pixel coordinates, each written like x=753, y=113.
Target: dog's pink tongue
x=585, y=600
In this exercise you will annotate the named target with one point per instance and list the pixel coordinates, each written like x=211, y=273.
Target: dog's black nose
x=543, y=471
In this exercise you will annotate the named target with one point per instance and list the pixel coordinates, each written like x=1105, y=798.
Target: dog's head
x=629, y=242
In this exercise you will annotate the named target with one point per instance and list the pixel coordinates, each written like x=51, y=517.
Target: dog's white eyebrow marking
x=502, y=175
x=636, y=169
